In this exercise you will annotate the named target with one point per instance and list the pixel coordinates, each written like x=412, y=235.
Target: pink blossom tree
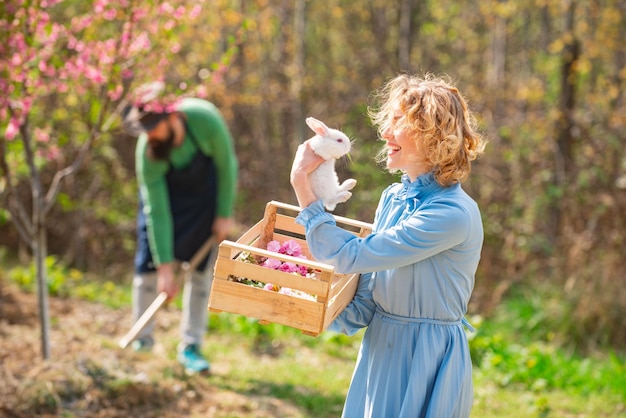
x=65, y=71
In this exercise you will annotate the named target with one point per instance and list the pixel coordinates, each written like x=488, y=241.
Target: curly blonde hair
x=438, y=118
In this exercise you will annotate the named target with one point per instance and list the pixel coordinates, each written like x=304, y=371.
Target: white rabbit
x=330, y=144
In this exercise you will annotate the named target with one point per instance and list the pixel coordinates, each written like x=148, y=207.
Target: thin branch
x=19, y=216
x=95, y=133
x=55, y=186
x=24, y=229
x=35, y=180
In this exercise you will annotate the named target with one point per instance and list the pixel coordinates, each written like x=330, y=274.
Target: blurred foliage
x=545, y=78
x=522, y=344
x=65, y=281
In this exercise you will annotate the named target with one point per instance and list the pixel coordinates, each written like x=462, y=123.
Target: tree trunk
x=565, y=122
x=404, y=39
x=40, y=253
x=297, y=80
x=498, y=56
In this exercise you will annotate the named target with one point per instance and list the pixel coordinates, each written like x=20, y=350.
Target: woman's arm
x=359, y=312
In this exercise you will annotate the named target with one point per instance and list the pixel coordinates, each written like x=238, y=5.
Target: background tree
x=68, y=67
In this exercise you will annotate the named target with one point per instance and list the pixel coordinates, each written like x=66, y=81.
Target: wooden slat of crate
x=251, y=235
x=288, y=223
x=341, y=295
x=268, y=306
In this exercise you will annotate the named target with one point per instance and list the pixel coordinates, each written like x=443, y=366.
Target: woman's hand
x=304, y=163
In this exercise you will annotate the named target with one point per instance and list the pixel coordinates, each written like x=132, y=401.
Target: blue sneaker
x=193, y=361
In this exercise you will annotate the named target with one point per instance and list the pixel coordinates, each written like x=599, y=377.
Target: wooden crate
x=333, y=291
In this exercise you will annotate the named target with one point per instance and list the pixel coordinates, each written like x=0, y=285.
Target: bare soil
x=88, y=375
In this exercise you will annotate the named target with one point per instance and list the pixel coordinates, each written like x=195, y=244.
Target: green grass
x=313, y=382
x=520, y=368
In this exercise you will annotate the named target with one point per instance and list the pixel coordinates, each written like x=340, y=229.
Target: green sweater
x=214, y=140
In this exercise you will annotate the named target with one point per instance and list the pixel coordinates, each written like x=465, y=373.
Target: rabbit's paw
x=348, y=185
x=343, y=196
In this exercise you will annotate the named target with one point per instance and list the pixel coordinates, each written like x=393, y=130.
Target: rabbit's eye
x=339, y=140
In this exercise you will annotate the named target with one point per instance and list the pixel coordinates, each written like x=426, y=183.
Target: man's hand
x=221, y=228
x=167, y=281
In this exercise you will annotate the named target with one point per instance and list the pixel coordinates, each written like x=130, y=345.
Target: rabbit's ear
x=317, y=126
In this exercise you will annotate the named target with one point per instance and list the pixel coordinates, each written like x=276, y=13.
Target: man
x=187, y=173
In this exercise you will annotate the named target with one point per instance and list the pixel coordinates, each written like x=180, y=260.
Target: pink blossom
x=271, y=287
x=139, y=14
x=17, y=41
x=54, y=152
x=166, y=8
x=195, y=11
x=12, y=129
x=141, y=42
x=110, y=14
x=49, y=3
x=82, y=22
x=272, y=263
x=201, y=92
x=180, y=12
x=27, y=103
x=94, y=75
x=273, y=246
x=40, y=20
x=292, y=248
x=288, y=267
x=99, y=5
x=116, y=93
x=71, y=42
x=125, y=37
x=110, y=44
x=16, y=60
x=41, y=135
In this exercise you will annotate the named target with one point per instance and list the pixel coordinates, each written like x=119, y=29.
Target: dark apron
x=192, y=194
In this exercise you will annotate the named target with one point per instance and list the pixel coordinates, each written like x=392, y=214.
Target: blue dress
x=417, y=275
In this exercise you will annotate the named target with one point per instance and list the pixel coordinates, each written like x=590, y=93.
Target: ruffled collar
x=417, y=189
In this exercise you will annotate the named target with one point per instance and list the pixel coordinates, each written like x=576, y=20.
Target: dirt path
x=90, y=376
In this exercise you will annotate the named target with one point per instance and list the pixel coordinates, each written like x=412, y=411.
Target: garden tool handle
x=188, y=268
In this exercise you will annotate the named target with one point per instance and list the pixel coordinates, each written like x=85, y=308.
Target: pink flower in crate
x=272, y=263
x=273, y=246
x=271, y=287
x=288, y=267
x=291, y=247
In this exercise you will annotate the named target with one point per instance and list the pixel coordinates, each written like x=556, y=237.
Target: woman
x=418, y=265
